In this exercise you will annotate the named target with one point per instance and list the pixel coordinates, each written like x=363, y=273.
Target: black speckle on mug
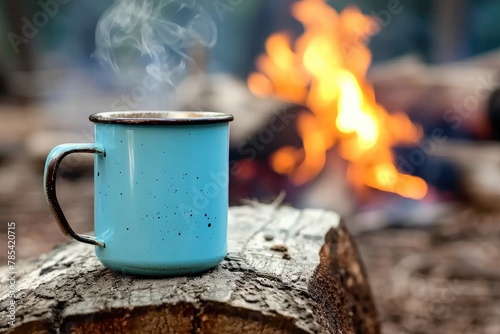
x=179, y=233
x=121, y=141
x=209, y=225
x=98, y=174
x=206, y=215
x=127, y=228
x=147, y=215
x=197, y=178
x=121, y=194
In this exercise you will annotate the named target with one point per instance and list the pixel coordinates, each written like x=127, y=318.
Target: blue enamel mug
x=161, y=190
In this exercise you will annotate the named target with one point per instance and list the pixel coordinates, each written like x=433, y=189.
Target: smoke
x=162, y=31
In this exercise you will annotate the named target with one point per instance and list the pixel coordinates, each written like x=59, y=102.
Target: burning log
x=287, y=271
x=325, y=70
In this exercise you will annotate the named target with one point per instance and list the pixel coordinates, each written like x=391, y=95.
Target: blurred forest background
x=438, y=31
x=432, y=260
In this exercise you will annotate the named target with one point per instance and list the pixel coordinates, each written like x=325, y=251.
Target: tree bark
x=287, y=271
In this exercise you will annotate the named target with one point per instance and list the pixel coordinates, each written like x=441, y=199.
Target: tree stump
x=286, y=271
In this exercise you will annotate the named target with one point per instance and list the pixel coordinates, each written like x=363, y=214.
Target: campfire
x=325, y=70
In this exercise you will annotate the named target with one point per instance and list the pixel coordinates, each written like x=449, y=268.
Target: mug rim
x=152, y=117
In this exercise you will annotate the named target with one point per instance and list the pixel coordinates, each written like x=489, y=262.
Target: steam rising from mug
x=162, y=30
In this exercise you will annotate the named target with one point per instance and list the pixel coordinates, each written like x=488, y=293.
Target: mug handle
x=49, y=181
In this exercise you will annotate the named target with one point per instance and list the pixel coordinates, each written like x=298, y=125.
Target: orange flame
x=325, y=69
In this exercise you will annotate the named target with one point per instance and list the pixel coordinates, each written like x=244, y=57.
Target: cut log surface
x=286, y=271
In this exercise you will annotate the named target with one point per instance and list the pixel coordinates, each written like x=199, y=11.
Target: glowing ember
x=325, y=70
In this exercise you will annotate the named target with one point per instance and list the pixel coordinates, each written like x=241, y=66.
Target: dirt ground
x=442, y=279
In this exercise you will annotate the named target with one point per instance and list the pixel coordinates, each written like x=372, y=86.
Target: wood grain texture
x=287, y=271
